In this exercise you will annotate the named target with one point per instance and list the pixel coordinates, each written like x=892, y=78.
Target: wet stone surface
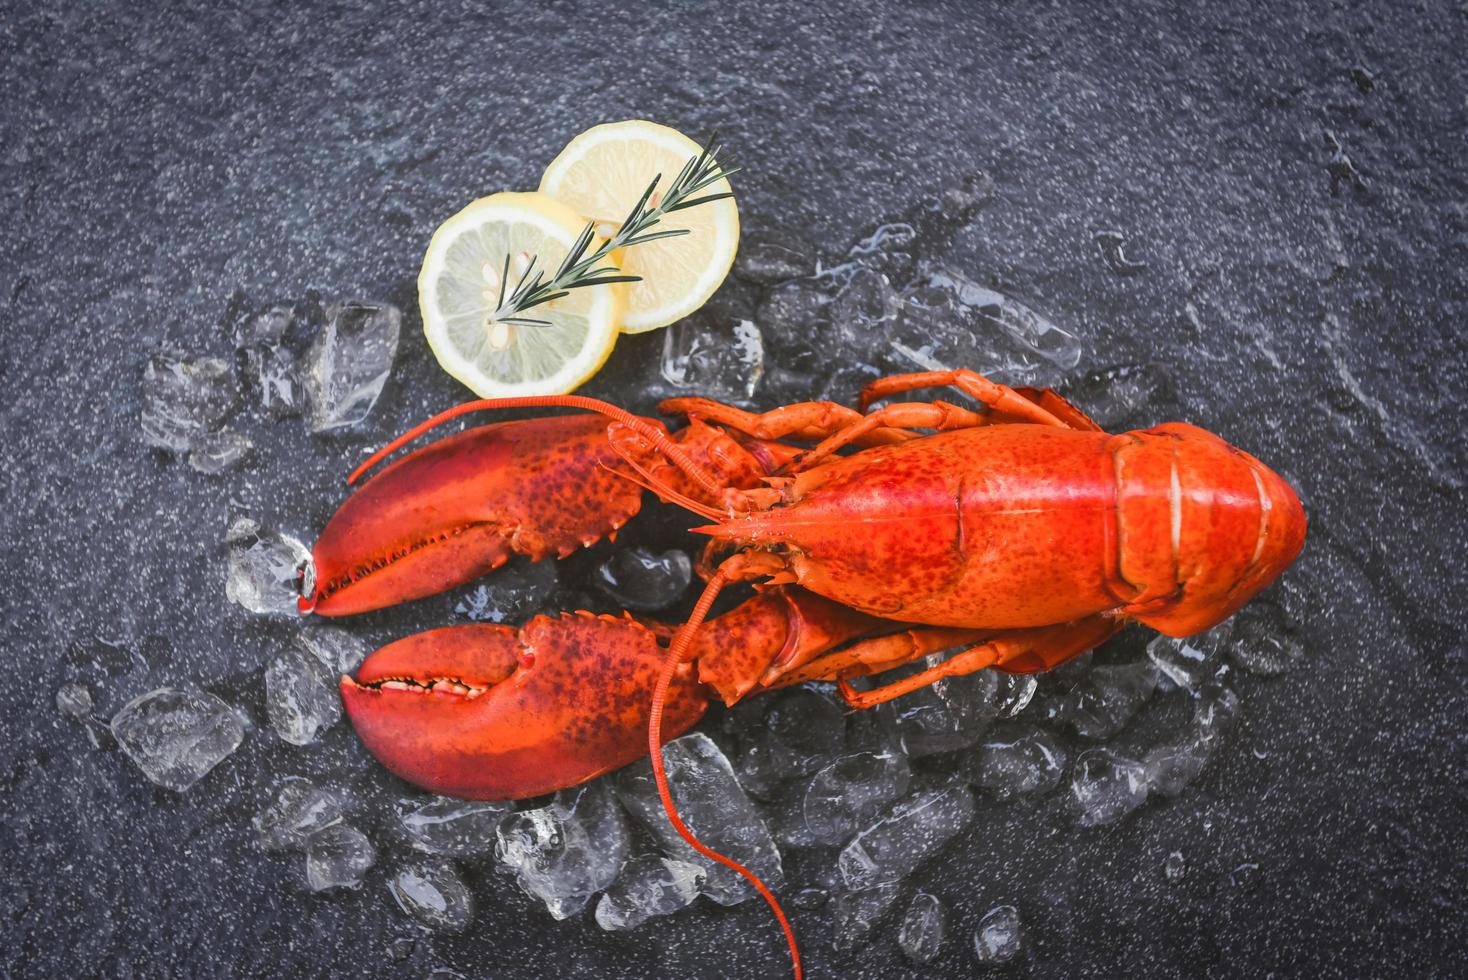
x=1248, y=217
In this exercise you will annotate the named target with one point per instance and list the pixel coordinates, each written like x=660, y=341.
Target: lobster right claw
x=453, y=510
x=497, y=713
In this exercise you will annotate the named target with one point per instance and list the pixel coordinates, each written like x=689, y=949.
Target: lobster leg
x=906, y=415
x=804, y=421
x=1000, y=399
x=1016, y=652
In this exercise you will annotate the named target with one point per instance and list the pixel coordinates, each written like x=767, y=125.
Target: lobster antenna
x=667, y=494
x=642, y=427
x=674, y=658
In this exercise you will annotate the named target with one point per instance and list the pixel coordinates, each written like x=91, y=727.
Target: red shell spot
x=527, y=660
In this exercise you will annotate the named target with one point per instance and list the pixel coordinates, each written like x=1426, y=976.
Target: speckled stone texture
x=1291, y=175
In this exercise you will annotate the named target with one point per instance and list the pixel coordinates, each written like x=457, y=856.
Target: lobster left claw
x=497, y=713
x=463, y=505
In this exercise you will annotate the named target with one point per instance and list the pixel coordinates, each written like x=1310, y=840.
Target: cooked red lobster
x=1020, y=533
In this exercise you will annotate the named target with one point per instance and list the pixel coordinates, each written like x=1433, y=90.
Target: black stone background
x=155, y=157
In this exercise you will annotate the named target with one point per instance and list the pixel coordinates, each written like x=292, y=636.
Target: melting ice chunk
x=721, y=357
x=784, y=736
x=74, y=701
x=1171, y=766
x=433, y=895
x=264, y=567
x=220, y=451
x=924, y=928
x=639, y=578
x=458, y=828
x=1107, y=786
x=1017, y=761
x=1186, y=664
x=512, y=593
x=274, y=379
x=650, y=886
x=910, y=832
x=336, y=649
x=1015, y=345
x=175, y=737
x=768, y=262
x=947, y=715
x=849, y=792
x=349, y=362
x=1109, y=697
x=857, y=913
x=338, y=857
x=862, y=312
x=713, y=806
x=1125, y=395
x=184, y=399
x=568, y=851
x=301, y=699
x=998, y=937
x=300, y=809
x=1263, y=641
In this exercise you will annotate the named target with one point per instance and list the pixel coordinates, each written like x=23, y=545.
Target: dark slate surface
x=1305, y=307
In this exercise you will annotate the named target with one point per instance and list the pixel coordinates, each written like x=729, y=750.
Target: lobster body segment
x=1018, y=526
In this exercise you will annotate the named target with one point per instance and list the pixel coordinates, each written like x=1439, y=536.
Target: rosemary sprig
x=579, y=270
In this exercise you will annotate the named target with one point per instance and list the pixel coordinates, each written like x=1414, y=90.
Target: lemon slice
x=459, y=293
x=603, y=172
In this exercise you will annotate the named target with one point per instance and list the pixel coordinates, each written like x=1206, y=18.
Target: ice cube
x=998, y=937
x=1015, y=345
x=792, y=310
x=513, y=593
x=786, y=735
x=1184, y=663
x=714, y=807
x=908, y=833
x=1016, y=761
x=301, y=698
x=857, y=913
x=273, y=378
x=1171, y=766
x=175, y=737
x=643, y=579
x=265, y=325
x=768, y=262
x=722, y=357
x=264, y=567
x=1124, y=395
x=1109, y=697
x=458, y=828
x=300, y=808
x=930, y=332
x=565, y=852
x=337, y=650
x=349, y=362
x=433, y=895
x=888, y=249
x=949, y=714
x=649, y=886
x=1107, y=786
x=862, y=313
x=184, y=399
x=1016, y=691
x=74, y=701
x=1175, y=867
x=337, y=857
x=1263, y=642
x=850, y=792
x=924, y=928
x=220, y=451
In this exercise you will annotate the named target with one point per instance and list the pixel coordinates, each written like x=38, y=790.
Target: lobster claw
x=496, y=713
x=463, y=505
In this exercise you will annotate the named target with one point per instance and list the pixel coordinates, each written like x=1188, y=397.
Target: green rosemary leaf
x=653, y=236
x=700, y=200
